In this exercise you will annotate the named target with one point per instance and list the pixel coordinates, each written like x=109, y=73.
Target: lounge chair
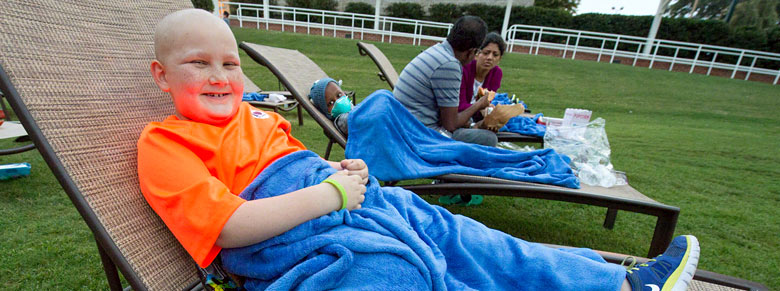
x=84, y=109
x=387, y=73
x=286, y=105
x=76, y=73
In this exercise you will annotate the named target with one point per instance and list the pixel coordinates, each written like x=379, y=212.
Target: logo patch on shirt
x=259, y=114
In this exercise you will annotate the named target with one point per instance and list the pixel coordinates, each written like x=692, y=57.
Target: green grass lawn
x=708, y=145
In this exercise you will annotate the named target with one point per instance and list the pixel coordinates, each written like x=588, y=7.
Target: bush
x=405, y=10
x=540, y=16
x=359, y=7
x=748, y=37
x=444, y=12
x=203, y=4
x=314, y=4
x=493, y=15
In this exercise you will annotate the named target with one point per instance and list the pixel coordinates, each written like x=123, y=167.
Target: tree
x=203, y=4
x=761, y=14
x=568, y=5
x=706, y=9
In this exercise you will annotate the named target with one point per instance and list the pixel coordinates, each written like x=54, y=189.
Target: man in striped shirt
x=429, y=86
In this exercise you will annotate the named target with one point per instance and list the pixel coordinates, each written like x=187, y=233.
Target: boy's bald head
x=181, y=24
x=198, y=64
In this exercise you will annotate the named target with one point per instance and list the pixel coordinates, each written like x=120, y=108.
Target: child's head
x=197, y=62
x=329, y=99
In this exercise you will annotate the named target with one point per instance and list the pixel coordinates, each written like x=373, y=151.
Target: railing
x=293, y=17
x=571, y=42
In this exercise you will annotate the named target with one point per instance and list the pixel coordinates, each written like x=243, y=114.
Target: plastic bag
x=588, y=148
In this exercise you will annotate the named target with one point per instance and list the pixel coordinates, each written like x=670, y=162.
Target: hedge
x=406, y=10
x=712, y=32
x=203, y=4
x=359, y=7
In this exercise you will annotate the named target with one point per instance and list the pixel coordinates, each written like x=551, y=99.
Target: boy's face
x=332, y=93
x=200, y=68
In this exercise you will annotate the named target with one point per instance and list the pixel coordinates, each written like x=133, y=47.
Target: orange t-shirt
x=191, y=173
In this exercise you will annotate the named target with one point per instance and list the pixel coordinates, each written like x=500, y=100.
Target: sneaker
x=671, y=271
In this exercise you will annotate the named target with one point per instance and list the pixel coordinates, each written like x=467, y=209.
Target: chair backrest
x=297, y=73
x=381, y=61
x=250, y=86
x=77, y=75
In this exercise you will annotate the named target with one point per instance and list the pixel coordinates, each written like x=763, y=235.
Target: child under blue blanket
x=410, y=150
x=305, y=223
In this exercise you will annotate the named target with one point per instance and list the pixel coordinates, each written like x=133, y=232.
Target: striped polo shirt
x=431, y=80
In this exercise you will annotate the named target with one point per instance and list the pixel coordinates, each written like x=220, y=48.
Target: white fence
x=570, y=42
x=293, y=18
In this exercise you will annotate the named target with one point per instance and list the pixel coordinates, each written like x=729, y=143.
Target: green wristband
x=341, y=190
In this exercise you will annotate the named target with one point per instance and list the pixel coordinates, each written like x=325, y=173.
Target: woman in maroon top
x=483, y=71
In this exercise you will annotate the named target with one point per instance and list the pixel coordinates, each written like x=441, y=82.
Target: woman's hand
x=353, y=186
x=356, y=167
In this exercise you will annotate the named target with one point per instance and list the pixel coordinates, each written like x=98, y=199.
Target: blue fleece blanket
x=396, y=146
x=397, y=241
x=503, y=99
x=525, y=125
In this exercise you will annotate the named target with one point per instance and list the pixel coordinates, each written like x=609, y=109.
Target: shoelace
x=632, y=266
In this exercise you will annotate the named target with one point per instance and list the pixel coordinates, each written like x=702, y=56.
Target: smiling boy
x=193, y=165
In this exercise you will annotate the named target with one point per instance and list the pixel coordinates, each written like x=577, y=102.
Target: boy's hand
x=354, y=187
x=356, y=167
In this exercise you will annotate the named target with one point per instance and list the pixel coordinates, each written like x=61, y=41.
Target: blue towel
x=253, y=96
x=525, y=125
x=396, y=146
x=397, y=241
x=503, y=99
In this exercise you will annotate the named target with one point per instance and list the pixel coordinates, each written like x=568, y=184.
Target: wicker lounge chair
x=84, y=109
x=387, y=73
x=76, y=73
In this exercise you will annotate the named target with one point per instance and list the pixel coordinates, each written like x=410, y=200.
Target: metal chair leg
x=112, y=275
x=300, y=116
x=327, y=151
x=609, y=221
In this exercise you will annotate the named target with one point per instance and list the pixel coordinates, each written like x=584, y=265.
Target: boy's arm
x=258, y=220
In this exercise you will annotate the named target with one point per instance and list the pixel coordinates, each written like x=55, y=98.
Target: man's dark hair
x=226, y=13
x=494, y=38
x=467, y=33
